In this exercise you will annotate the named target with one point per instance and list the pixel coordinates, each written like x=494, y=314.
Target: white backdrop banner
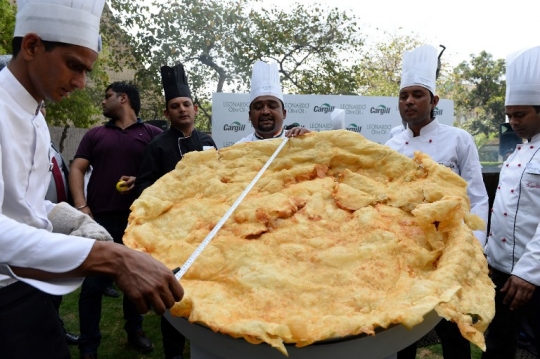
x=372, y=117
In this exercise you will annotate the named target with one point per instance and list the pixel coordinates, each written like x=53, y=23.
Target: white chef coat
x=455, y=149
x=254, y=137
x=514, y=239
x=25, y=235
x=396, y=130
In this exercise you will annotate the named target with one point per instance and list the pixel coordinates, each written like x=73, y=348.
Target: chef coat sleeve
x=29, y=247
x=528, y=267
x=471, y=171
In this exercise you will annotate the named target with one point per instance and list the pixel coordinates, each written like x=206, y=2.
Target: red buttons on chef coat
x=406, y=143
x=512, y=190
x=532, y=147
x=505, y=214
x=430, y=141
x=504, y=239
x=498, y=187
x=507, y=165
x=519, y=164
x=519, y=148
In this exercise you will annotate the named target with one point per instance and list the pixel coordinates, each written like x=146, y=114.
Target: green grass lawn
x=114, y=340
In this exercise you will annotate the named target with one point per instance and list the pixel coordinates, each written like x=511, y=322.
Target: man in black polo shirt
x=115, y=152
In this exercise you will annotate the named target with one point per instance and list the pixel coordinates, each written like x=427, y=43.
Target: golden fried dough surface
x=339, y=236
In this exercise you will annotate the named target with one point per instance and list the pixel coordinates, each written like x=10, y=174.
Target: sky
x=464, y=26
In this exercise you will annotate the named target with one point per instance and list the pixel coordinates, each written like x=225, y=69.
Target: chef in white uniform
x=46, y=248
x=513, y=248
x=450, y=146
x=266, y=108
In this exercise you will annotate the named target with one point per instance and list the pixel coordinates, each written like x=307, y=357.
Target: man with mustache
x=165, y=151
x=266, y=108
x=447, y=145
x=513, y=248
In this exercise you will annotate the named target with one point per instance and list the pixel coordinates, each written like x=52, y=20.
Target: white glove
x=68, y=220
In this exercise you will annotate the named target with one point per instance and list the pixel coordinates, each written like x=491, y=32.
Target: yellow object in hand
x=121, y=186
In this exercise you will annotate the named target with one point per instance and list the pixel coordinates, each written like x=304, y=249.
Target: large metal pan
x=208, y=344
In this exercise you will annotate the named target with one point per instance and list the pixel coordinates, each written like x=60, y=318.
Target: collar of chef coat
x=19, y=93
x=430, y=127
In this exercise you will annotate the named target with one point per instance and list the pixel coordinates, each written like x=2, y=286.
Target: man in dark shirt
x=162, y=155
x=167, y=149
x=115, y=152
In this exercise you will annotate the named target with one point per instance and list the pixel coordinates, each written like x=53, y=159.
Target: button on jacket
x=514, y=240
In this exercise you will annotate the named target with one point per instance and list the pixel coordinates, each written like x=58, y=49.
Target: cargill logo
x=325, y=107
x=354, y=128
x=235, y=126
x=381, y=109
x=438, y=111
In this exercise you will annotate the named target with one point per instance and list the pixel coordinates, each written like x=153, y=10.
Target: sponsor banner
x=372, y=117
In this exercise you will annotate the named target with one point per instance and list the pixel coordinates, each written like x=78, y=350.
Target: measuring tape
x=223, y=219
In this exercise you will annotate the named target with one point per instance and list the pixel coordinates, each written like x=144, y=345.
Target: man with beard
x=114, y=151
x=266, y=108
x=47, y=248
x=166, y=150
x=451, y=147
x=513, y=248
x=163, y=154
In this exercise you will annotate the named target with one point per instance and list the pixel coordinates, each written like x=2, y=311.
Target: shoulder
x=205, y=136
x=153, y=129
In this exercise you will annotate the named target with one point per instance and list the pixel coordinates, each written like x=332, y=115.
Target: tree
x=218, y=42
x=478, y=91
x=7, y=26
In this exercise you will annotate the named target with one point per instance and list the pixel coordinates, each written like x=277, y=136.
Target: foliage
x=218, y=42
x=478, y=93
x=7, y=26
x=381, y=65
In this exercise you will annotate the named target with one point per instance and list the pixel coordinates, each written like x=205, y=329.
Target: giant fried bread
x=339, y=237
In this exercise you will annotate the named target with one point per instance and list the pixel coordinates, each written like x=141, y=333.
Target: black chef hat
x=174, y=81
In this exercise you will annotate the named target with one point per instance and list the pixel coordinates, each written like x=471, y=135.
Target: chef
x=45, y=248
x=513, y=248
x=266, y=108
x=166, y=150
x=450, y=146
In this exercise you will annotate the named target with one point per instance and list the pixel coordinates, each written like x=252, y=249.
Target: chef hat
x=419, y=68
x=68, y=21
x=523, y=78
x=174, y=81
x=265, y=81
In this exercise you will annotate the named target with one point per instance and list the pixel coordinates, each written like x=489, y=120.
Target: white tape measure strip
x=223, y=219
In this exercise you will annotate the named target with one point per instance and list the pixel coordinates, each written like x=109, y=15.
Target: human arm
x=146, y=281
x=76, y=184
x=296, y=131
x=128, y=183
x=518, y=292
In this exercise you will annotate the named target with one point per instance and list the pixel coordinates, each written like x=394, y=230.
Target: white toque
x=265, y=81
x=523, y=78
x=73, y=22
x=419, y=68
